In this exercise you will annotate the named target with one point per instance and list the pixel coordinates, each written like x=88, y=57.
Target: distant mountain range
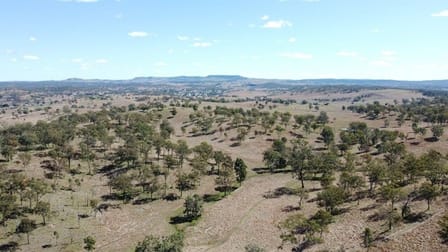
x=230, y=80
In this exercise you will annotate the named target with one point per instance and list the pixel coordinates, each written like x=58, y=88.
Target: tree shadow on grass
x=213, y=197
x=431, y=139
x=369, y=207
x=180, y=219
x=278, y=192
x=290, y=208
x=143, y=201
x=119, y=196
x=223, y=189
x=416, y=217
x=262, y=170
x=236, y=144
x=10, y=246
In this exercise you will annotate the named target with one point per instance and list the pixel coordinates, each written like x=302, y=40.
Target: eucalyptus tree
x=299, y=156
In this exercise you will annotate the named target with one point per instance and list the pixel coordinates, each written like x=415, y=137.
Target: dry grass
x=243, y=217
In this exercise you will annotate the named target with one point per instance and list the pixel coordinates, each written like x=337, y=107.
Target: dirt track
x=242, y=218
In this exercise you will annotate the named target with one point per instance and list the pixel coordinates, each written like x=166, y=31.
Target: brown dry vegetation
x=245, y=216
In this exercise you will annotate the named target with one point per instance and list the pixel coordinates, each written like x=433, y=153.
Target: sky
x=285, y=39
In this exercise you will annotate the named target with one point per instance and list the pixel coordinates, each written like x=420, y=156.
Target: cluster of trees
x=145, y=156
x=172, y=243
x=433, y=111
x=373, y=111
x=141, y=161
x=389, y=178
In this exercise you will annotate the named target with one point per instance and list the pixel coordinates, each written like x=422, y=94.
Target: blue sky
x=120, y=39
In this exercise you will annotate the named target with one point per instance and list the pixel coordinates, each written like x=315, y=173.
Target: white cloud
x=13, y=60
x=380, y=63
x=347, y=54
x=32, y=38
x=375, y=30
x=276, y=24
x=388, y=53
x=9, y=51
x=138, y=34
x=182, y=38
x=292, y=40
x=297, y=55
x=202, y=44
x=31, y=57
x=443, y=13
x=265, y=17
x=160, y=64
x=84, y=66
x=170, y=51
x=119, y=15
x=77, y=60
x=101, y=61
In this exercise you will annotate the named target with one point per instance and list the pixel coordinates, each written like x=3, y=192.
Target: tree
x=253, y=248
x=298, y=225
x=267, y=122
x=204, y=151
x=391, y=193
x=240, y=170
x=26, y=226
x=322, y=218
x=43, y=209
x=25, y=158
x=437, y=131
x=367, y=238
x=166, y=130
x=226, y=177
x=89, y=243
x=8, y=152
x=185, y=182
x=376, y=172
x=350, y=181
x=172, y=243
x=219, y=158
x=38, y=188
x=182, y=151
x=285, y=117
x=87, y=155
x=322, y=118
x=122, y=183
x=7, y=206
x=435, y=170
x=149, y=182
x=241, y=136
x=428, y=192
x=193, y=207
x=165, y=172
x=302, y=194
x=443, y=225
x=327, y=135
x=331, y=197
x=274, y=160
x=68, y=153
x=128, y=153
x=298, y=160
x=93, y=203
x=170, y=162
